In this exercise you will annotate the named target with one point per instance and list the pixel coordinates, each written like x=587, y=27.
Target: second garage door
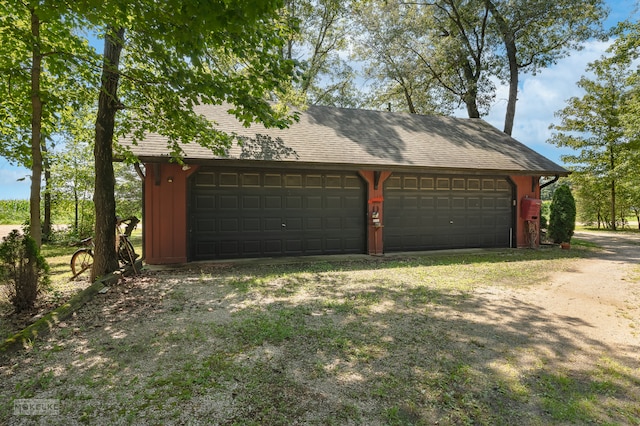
x=424, y=212
x=264, y=213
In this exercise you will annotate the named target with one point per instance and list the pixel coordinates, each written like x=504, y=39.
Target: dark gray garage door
x=440, y=212
x=265, y=213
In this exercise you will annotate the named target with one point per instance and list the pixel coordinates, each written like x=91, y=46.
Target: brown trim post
x=375, y=211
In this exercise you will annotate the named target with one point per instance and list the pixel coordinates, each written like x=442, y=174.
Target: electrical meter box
x=530, y=208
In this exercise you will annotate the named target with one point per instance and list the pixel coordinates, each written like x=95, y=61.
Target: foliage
x=443, y=52
x=625, y=52
x=23, y=270
x=593, y=199
x=593, y=126
x=13, y=211
x=324, y=27
x=535, y=34
x=48, y=67
x=426, y=58
x=562, y=220
x=545, y=210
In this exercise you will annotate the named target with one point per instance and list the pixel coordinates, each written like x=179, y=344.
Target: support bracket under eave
x=376, y=179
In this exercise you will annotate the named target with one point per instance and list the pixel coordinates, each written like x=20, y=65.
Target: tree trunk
x=613, y=205
x=105, y=257
x=471, y=97
x=36, y=133
x=76, y=207
x=509, y=39
x=510, y=115
x=46, y=224
x=407, y=95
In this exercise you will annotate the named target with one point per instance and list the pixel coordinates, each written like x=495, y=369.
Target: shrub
x=562, y=219
x=544, y=214
x=23, y=270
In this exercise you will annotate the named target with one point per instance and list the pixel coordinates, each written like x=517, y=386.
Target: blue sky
x=540, y=96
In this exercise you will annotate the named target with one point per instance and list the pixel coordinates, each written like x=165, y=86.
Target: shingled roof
x=356, y=139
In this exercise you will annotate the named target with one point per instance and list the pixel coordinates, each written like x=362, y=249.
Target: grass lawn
x=58, y=257
x=406, y=340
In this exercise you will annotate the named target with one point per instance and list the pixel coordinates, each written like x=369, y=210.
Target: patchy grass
x=62, y=289
x=400, y=341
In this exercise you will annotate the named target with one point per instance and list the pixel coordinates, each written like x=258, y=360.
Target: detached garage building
x=339, y=181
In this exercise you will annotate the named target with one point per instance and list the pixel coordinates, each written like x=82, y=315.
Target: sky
x=539, y=97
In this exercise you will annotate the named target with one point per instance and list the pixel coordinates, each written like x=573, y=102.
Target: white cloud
x=541, y=95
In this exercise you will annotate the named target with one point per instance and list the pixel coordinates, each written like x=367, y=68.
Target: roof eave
x=273, y=164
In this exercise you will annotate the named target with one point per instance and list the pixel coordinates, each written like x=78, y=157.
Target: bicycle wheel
x=81, y=262
x=126, y=253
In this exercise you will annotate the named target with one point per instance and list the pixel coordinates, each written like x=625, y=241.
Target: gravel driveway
x=5, y=229
x=389, y=342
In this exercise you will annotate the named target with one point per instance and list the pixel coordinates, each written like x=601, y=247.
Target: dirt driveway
x=5, y=229
x=597, y=299
x=446, y=339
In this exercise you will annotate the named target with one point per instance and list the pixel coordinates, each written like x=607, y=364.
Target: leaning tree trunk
x=470, y=98
x=509, y=39
x=105, y=257
x=36, y=133
x=47, y=228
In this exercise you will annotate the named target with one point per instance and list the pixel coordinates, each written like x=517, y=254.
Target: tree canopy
x=599, y=128
x=163, y=58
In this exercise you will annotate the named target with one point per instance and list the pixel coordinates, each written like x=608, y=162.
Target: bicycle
x=82, y=259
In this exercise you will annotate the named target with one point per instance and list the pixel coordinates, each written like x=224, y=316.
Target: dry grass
x=416, y=340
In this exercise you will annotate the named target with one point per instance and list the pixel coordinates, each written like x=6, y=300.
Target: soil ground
x=338, y=351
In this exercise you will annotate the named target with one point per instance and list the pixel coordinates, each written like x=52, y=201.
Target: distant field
x=13, y=212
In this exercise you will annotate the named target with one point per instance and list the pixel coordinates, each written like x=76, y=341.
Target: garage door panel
x=352, y=223
x=313, y=202
x=333, y=202
x=294, y=246
x=503, y=203
x=313, y=245
x=202, y=203
x=352, y=245
x=272, y=224
x=251, y=224
x=442, y=203
x=333, y=245
x=272, y=202
x=294, y=201
x=229, y=225
x=474, y=203
x=251, y=202
x=273, y=247
x=266, y=213
x=313, y=223
x=293, y=224
x=251, y=247
x=438, y=212
x=206, y=225
x=229, y=202
x=333, y=223
x=458, y=203
x=352, y=202
x=229, y=248
x=427, y=202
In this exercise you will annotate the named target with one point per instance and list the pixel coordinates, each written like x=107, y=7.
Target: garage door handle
x=284, y=225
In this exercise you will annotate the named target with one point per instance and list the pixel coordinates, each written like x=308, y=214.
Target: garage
x=337, y=181
x=268, y=213
x=426, y=212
